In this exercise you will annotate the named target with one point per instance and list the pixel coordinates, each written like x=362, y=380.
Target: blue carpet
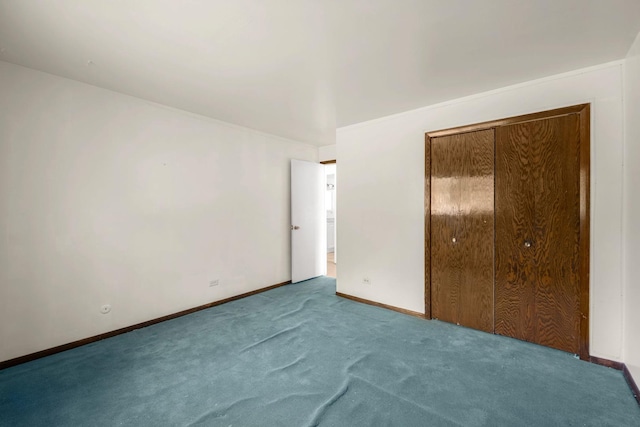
x=300, y=356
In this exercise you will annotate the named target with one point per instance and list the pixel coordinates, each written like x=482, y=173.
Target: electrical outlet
x=366, y=281
x=105, y=309
x=214, y=283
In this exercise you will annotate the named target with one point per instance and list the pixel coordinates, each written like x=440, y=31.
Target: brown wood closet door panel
x=445, y=200
x=514, y=204
x=462, y=229
x=538, y=232
x=557, y=227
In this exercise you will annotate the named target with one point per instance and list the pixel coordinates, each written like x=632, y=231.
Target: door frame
x=584, y=112
x=335, y=225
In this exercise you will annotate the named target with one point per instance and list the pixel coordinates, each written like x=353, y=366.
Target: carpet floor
x=300, y=356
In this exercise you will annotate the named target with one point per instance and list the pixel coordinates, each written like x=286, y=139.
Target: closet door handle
x=454, y=240
x=527, y=243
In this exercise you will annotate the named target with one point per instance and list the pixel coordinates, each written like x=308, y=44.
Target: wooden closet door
x=537, y=290
x=462, y=229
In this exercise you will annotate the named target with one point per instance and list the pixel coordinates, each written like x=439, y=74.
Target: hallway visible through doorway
x=330, y=207
x=331, y=265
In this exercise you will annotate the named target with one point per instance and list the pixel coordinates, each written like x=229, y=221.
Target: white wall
x=381, y=221
x=106, y=198
x=328, y=152
x=632, y=210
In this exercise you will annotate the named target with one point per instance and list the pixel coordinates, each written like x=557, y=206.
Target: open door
x=308, y=222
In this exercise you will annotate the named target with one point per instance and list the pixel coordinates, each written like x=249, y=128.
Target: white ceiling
x=300, y=68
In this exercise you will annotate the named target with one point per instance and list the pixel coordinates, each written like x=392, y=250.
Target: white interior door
x=308, y=221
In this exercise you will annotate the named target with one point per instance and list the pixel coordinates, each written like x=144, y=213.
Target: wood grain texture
x=427, y=228
x=514, y=268
x=583, y=111
x=585, y=185
x=538, y=201
x=462, y=233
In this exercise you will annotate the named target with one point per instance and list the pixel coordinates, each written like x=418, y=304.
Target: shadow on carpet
x=300, y=356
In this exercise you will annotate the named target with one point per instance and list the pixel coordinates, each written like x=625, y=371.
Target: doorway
x=313, y=211
x=330, y=209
